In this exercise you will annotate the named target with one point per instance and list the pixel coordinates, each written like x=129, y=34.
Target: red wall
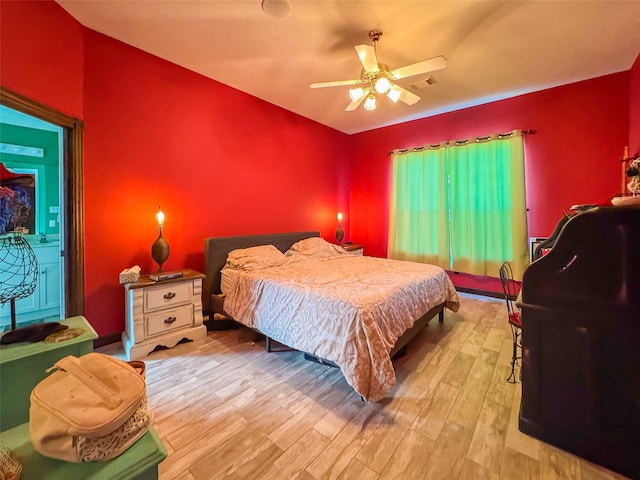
x=581, y=130
x=218, y=161
x=634, y=108
x=41, y=52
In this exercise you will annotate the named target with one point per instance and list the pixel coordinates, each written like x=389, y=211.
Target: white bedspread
x=348, y=309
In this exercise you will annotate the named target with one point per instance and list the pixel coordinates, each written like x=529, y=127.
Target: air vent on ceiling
x=423, y=83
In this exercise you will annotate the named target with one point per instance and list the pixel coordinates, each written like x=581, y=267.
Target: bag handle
x=72, y=365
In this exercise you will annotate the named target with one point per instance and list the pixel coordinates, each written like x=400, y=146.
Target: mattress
x=226, y=279
x=344, y=308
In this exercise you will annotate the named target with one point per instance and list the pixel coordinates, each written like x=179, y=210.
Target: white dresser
x=162, y=313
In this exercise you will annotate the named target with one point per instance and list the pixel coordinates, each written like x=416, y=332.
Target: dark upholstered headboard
x=216, y=250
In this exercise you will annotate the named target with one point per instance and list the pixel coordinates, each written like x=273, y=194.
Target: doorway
x=69, y=212
x=30, y=177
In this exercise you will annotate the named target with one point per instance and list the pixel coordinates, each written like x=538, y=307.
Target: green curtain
x=418, y=229
x=462, y=206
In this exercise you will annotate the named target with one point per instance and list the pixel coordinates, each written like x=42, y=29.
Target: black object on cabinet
x=581, y=340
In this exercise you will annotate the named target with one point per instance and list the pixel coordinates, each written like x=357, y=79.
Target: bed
x=350, y=311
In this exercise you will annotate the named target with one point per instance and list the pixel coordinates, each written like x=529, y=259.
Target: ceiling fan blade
x=353, y=105
x=336, y=84
x=367, y=56
x=430, y=65
x=406, y=96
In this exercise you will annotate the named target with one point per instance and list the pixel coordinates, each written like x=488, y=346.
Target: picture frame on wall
x=18, y=200
x=534, y=242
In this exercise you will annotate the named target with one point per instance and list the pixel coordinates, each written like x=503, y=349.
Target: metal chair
x=509, y=289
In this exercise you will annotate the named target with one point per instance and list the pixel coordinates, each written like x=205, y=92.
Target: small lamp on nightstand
x=160, y=248
x=339, y=231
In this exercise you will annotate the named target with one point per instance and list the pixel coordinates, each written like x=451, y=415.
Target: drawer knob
x=169, y=296
x=169, y=320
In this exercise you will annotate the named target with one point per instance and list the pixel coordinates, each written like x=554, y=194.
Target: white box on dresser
x=162, y=313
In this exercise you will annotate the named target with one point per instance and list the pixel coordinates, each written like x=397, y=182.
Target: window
x=461, y=205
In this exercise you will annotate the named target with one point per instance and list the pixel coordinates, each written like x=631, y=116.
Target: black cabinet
x=581, y=340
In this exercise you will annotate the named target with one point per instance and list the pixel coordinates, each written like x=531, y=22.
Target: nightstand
x=162, y=313
x=354, y=249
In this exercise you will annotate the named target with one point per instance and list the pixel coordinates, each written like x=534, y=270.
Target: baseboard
x=106, y=340
x=226, y=324
x=484, y=293
x=221, y=324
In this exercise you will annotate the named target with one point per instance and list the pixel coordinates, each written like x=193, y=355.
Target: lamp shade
x=382, y=85
x=160, y=217
x=394, y=94
x=370, y=102
x=356, y=94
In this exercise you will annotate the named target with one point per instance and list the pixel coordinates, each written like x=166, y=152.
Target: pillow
x=255, y=258
x=315, y=246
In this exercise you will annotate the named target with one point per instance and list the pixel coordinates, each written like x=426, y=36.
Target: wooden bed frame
x=216, y=250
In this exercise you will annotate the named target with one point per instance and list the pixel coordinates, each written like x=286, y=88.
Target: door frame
x=73, y=252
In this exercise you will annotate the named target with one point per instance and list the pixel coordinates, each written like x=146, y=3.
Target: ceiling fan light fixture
x=370, y=102
x=377, y=78
x=382, y=85
x=394, y=94
x=356, y=94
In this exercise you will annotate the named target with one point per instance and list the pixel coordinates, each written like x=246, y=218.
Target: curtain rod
x=462, y=142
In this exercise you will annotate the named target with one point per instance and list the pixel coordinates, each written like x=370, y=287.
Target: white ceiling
x=495, y=49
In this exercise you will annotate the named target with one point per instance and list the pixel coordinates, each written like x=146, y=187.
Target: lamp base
x=339, y=234
x=160, y=251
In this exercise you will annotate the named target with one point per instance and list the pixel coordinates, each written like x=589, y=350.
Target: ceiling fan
x=376, y=77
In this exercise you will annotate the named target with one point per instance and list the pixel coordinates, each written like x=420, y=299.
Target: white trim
x=21, y=150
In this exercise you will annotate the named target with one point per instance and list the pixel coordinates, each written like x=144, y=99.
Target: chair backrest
x=509, y=288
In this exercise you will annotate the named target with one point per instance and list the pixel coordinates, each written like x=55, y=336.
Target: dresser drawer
x=168, y=320
x=167, y=296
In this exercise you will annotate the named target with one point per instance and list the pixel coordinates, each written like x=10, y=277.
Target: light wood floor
x=225, y=408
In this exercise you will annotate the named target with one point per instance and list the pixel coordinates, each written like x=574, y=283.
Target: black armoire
x=581, y=340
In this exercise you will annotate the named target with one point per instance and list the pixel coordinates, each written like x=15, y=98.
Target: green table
x=139, y=462
x=24, y=365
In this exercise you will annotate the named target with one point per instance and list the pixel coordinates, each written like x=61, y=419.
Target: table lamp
x=339, y=231
x=160, y=248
